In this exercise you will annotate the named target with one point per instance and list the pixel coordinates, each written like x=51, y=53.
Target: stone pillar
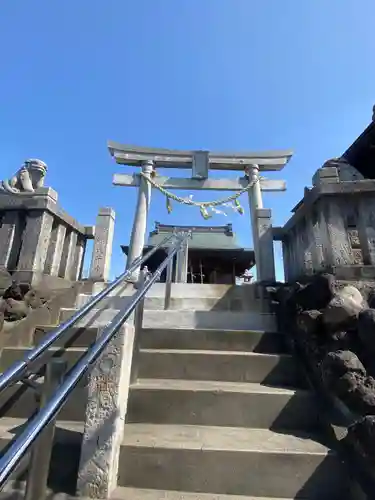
x=35, y=242
x=322, y=231
x=317, y=249
x=55, y=249
x=286, y=258
x=366, y=229
x=67, y=257
x=293, y=249
x=339, y=247
x=107, y=400
x=102, y=252
x=304, y=248
x=255, y=202
x=10, y=240
x=182, y=264
x=78, y=259
x=266, y=259
x=137, y=239
x=299, y=251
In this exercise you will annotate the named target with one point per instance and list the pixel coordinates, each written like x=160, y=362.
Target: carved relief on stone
x=338, y=222
x=357, y=256
x=308, y=262
x=353, y=236
x=341, y=248
x=27, y=179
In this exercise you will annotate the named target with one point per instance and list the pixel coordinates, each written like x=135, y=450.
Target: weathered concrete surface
x=10, y=240
x=152, y=494
x=207, y=459
x=332, y=229
x=227, y=320
x=67, y=257
x=249, y=297
x=105, y=417
x=78, y=260
x=42, y=199
x=55, y=249
x=102, y=253
x=218, y=403
x=35, y=242
x=265, y=260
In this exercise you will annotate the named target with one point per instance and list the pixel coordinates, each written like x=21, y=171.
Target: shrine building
x=214, y=254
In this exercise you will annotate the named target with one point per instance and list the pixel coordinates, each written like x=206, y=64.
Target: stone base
x=37, y=279
x=352, y=273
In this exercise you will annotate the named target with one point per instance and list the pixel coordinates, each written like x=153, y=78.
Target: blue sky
x=193, y=74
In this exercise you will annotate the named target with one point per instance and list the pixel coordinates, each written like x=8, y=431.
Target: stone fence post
x=102, y=252
x=35, y=243
x=265, y=260
x=10, y=239
x=107, y=401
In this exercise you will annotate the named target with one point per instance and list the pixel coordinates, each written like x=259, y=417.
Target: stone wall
x=41, y=243
x=333, y=228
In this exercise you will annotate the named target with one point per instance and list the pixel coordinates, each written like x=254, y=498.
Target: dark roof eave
x=361, y=153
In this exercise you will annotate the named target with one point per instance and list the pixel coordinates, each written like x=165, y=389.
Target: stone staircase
x=218, y=412
x=220, y=418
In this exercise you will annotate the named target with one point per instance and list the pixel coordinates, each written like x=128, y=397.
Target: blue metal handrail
x=21, y=444
x=20, y=369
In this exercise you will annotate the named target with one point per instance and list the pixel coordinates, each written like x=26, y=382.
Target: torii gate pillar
x=261, y=224
x=137, y=239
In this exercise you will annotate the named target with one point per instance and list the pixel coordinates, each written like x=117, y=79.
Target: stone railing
x=40, y=242
x=332, y=229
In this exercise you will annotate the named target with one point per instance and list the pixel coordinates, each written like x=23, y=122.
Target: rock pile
x=333, y=325
x=17, y=301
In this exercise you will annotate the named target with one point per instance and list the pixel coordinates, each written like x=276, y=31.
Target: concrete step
x=229, y=366
x=66, y=431
x=20, y=401
x=215, y=403
x=216, y=320
x=248, y=294
x=228, y=340
x=11, y=354
x=226, y=460
x=75, y=337
x=180, y=303
x=64, y=460
x=140, y=494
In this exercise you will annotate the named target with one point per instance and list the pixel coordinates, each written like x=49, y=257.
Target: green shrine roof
x=207, y=242
x=210, y=237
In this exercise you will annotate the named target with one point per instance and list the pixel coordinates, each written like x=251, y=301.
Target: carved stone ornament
x=28, y=178
x=346, y=171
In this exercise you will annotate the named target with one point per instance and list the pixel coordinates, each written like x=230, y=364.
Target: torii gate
x=200, y=162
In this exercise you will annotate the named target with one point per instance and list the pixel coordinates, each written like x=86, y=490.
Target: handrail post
x=36, y=484
x=168, y=283
x=184, y=263
x=181, y=263
x=138, y=322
